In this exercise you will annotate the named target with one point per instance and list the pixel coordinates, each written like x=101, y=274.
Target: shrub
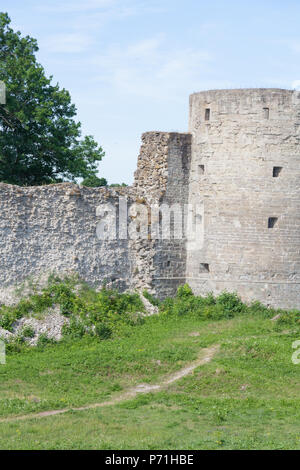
x=291, y=317
x=44, y=340
x=226, y=305
x=108, y=313
x=230, y=303
x=28, y=332
x=184, y=292
x=75, y=329
x=103, y=331
x=153, y=300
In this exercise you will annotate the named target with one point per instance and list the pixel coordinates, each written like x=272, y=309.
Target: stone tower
x=245, y=169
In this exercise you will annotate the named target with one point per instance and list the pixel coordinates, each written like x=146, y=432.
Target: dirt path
x=206, y=356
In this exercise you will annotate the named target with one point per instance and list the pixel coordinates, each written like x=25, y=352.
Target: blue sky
x=130, y=65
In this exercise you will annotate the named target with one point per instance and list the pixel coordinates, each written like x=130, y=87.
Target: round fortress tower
x=245, y=170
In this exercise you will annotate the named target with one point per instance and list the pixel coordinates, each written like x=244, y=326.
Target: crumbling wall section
x=53, y=228
x=162, y=179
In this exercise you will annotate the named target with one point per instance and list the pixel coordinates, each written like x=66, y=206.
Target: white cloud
x=67, y=43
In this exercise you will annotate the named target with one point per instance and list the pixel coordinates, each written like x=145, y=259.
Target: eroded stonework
x=240, y=162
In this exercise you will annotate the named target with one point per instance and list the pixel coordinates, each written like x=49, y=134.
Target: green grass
x=164, y=421
x=247, y=397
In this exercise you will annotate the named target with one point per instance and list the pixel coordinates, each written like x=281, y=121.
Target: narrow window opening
x=168, y=263
x=266, y=113
x=272, y=222
x=276, y=171
x=172, y=225
x=204, y=268
x=184, y=162
x=207, y=114
x=201, y=169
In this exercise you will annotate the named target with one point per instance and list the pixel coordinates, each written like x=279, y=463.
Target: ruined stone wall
x=237, y=145
x=52, y=228
x=162, y=179
x=240, y=164
x=170, y=254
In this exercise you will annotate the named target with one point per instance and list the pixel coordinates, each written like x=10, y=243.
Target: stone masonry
x=240, y=163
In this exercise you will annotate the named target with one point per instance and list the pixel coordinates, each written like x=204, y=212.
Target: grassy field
x=247, y=397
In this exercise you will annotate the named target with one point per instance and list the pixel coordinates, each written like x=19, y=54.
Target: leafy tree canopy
x=40, y=142
x=94, y=182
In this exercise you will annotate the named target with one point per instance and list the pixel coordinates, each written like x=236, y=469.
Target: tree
x=40, y=142
x=94, y=181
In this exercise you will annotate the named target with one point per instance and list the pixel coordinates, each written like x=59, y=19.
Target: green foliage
x=40, y=142
x=103, y=331
x=291, y=317
x=44, y=340
x=230, y=304
x=184, y=292
x=246, y=397
x=108, y=313
x=101, y=314
x=116, y=185
x=27, y=332
x=9, y=314
x=57, y=292
x=17, y=345
x=94, y=182
x=185, y=303
x=75, y=329
x=153, y=300
x=226, y=305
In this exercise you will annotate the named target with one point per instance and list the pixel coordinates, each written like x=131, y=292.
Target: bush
x=103, y=331
x=184, y=292
x=153, y=300
x=230, y=303
x=75, y=329
x=94, y=182
x=28, y=332
x=44, y=340
x=108, y=313
x=226, y=305
x=291, y=317
x=93, y=313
